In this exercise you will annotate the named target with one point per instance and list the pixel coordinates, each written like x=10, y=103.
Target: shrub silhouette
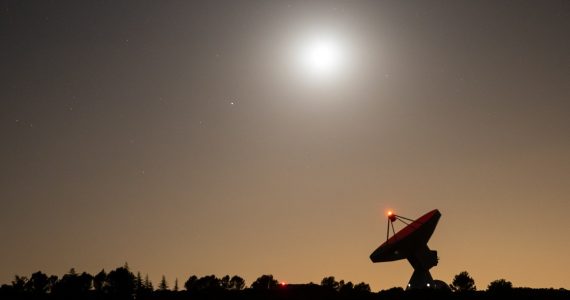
x=500, y=286
x=362, y=287
x=264, y=282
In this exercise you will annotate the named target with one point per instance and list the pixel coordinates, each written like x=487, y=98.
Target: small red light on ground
x=283, y=283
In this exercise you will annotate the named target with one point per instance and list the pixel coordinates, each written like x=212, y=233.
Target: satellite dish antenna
x=411, y=243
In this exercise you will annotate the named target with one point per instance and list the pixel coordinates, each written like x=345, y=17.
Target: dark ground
x=301, y=292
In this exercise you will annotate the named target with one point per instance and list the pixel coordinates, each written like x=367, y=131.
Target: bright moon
x=322, y=56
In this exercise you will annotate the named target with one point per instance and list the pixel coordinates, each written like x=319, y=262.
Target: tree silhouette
x=121, y=282
x=148, y=284
x=330, y=283
x=139, y=283
x=163, y=285
x=143, y=287
x=345, y=287
x=209, y=282
x=85, y=282
x=176, y=285
x=463, y=282
x=392, y=293
x=73, y=284
x=362, y=287
x=190, y=284
x=237, y=283
x=500, y=286
x=19, y=283
x=38, y=283
x=52, y=282
x=100, y=282
x=264, y=282
x=225, y=282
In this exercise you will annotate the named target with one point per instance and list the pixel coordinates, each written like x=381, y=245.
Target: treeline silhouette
x=122, y=284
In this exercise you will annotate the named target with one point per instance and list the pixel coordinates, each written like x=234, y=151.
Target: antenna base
x=421, y=279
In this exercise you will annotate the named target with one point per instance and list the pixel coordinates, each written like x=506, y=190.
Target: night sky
x=271, y=137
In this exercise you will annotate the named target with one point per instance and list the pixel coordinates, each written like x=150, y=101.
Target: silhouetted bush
x=264, y=282
x=500, y=286
x=362, y=287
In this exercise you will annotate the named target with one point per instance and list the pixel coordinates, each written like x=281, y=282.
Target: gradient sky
x=184, y=137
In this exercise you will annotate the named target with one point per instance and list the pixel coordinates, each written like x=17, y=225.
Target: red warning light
x=391, y=216
x=283, y=283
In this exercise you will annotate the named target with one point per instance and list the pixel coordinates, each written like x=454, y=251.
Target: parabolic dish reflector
x=407, y=240
x=411, y=243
